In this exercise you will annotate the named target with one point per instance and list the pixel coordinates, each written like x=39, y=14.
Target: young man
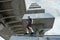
x=29, y=26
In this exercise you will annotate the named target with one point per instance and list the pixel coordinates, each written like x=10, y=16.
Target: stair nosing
x=12, y=22
x=17, y=28
x=6, y=10
x=16, y=25
x=35, y=9
x=8, y=17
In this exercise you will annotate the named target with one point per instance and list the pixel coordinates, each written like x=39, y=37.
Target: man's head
x=28, y=17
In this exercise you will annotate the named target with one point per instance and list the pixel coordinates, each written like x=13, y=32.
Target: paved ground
x=26, y=38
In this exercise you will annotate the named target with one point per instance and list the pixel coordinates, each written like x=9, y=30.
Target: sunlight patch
x=1, y=38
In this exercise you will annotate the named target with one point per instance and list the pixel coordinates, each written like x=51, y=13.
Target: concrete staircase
x=15, y=24
x=8, y=10
x=35, y=8
x=12, y=11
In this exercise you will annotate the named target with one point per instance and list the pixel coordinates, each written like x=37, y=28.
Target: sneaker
x=32, y=33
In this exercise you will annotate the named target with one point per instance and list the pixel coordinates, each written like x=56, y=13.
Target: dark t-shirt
x=29, y=21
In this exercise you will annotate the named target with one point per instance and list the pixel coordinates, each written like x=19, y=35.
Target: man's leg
x=27, y=30
x=31, y=29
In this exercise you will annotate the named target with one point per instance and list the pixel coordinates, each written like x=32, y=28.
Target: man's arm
x=32, y=21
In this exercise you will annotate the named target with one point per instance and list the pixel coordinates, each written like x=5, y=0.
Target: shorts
x=29, y=25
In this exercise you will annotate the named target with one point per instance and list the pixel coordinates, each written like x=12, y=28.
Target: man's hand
x=32, y=21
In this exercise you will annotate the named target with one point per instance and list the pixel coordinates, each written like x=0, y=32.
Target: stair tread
x=20, y=32
x=12, y=22
x=34, y=5
x=6, y=10
x=8, y=17
x=36, y=9
x=16, y=26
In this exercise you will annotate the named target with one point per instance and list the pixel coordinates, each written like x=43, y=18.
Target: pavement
x=27, y=38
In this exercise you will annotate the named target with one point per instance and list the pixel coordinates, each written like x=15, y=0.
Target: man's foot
x=32, y=33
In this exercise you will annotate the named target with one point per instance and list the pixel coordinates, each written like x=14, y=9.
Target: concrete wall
x=19, y=7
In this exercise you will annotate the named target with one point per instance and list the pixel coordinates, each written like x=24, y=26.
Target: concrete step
x=27, y=38
x=6, y=10
x=11, y=19
x=16, y=26
x=8, y=17
x=34, y=5
x=18, y=30
x=11, y=22
x=6, y=5
x=5, y=0
x=14, y=23
x=36, y=10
